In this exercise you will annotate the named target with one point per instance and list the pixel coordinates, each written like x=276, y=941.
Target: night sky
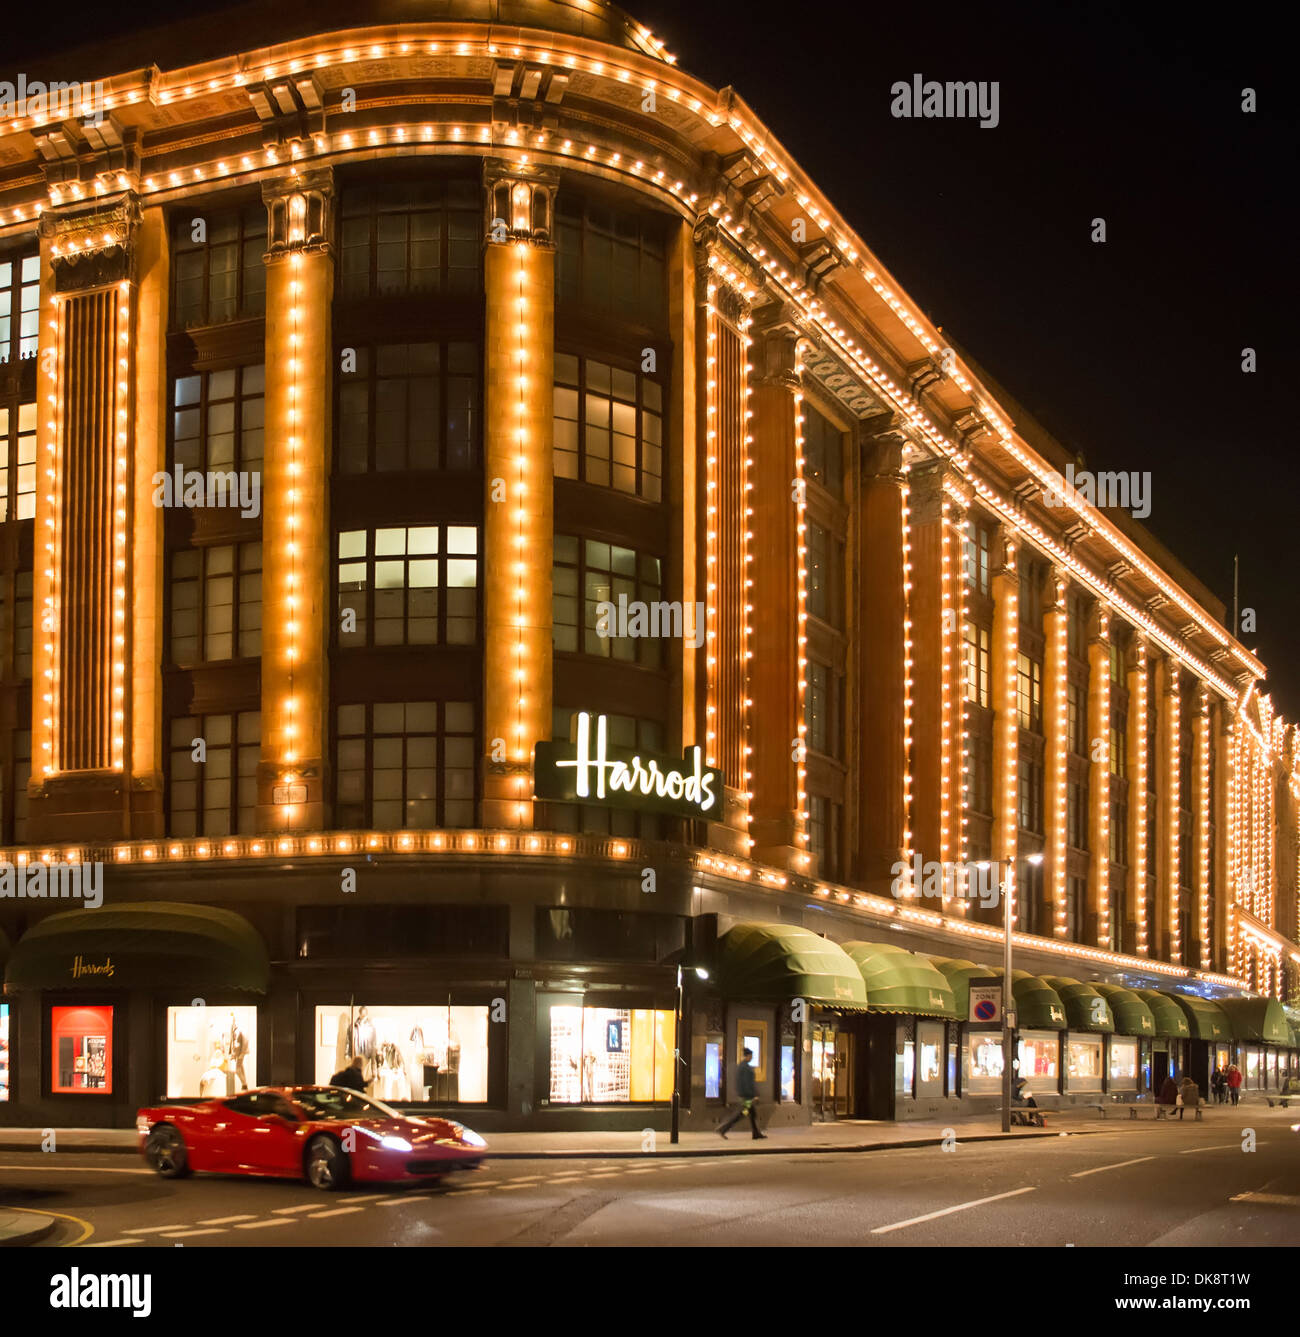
x=1129, y=352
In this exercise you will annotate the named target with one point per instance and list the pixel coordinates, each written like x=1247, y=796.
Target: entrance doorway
x=832, y=1072
x=1159, y=1068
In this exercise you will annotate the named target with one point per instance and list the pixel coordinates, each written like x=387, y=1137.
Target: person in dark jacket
x=1191, y=1094
x=745, y=1090
x=1234, y=1082
x=1216, y=1086
x=1168, y=1092
x=351, y=1076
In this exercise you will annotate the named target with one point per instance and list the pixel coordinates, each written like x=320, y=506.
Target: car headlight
x=395, y=1143
x=470, y=1138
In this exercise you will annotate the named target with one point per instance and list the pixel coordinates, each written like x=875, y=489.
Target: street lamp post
x=703, y=974
x=1008, y=1015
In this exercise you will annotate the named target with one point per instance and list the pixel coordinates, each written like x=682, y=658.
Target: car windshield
x=335, y=1102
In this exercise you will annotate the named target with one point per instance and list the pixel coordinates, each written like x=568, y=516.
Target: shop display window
x=1083, y=1063
x=984, y=1061
x=211, y=1051
x=436, y=1053
x=787, y=1073
x=4, y=1052
x=1272, y=1068
x=929, y=1046
x=1039, y=1053
x=1222, y=1057
x=904, y=1064
x=1252, y=1069
x=752, y=1035
x=606, y=1055
x=81, y=1048
x=713, y=1070
x=1123, y=1063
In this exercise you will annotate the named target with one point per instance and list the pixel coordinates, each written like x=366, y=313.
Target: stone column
x=1138, y=684
x=1198, y=952
x=777, y=682
x=1221, y=720
x=1097, y=925
x=293, y=775
x=1006, y=722
x=1056, y=670
x=883, y=837
x=1164, y=838
x=86, y=495
x=518, y=519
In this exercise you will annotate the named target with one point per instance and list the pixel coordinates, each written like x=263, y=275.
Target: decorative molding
x=300, y=216
x=90, y=244
x=519, y=203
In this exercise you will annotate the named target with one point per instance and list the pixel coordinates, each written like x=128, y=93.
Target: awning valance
x=1206, y=1020
x=1261, y=1020
x=1171, y=1020
x=1085, y=1008
x=900, y=981
x=1132, y=1015
x=783, y=961
x=1038, y=1006
x=141, y=945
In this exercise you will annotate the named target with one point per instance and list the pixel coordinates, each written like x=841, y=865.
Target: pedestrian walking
x=352, y=1076
x=746, y=1091
x=1218, y=1091
x=1234, y=1082
x=1189, y=1096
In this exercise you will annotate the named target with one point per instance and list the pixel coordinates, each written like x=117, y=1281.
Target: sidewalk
x=23, y=1227
x=849, y=1135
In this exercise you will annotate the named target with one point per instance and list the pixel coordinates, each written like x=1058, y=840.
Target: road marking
x=185, y=1234
x=1119, y=1165
x=337, y=1211
x=112, y=1244
x=227, y=1220
x=156, y=1230
x=948, y=1211
x=368, y=1197
x=1269, y=1199
x=76, y=1170
x=392, y=1202
x=261, y=1225
x=87, y=1229
x=1226, y=1146
x=304, y=1207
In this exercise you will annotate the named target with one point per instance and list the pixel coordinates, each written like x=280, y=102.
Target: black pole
x=677, y=1062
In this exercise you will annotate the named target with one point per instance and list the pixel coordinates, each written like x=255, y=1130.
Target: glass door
x=824, y=1070
x=843, y=1075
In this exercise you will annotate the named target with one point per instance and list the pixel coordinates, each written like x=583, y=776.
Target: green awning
x=1207, y=1020
x=781, y=961
x=141, y=945
x=1257, y=1019
x=1132, y=1015
x=1037, y=1003
x=900, y=981
x=1085, y=1008
x=1171, y=1020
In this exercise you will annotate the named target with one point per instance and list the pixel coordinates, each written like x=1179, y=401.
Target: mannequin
x=237, y=1049
x=363, y=1040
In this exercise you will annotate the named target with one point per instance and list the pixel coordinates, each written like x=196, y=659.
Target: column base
x=96, y=805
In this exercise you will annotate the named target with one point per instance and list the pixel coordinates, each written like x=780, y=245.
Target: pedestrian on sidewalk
x=1168, y=1092
x=1189, y=1096
x=1234, y=1082
x=1217, y=1089
x=748, y=1101
x=352, y=1077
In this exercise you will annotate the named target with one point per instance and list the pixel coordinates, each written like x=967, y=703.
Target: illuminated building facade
x=496, y=321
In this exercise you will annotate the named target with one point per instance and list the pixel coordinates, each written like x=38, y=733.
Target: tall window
x=1029, y=693
x=608, y=426
x=217, y=268
x=1076, y=815
x=216, y=603
x=413, y=585
x=19, y=613
x=410, y=238
x=823, y=452
x=979, y=774
x=823, y=709
x=610, y=261
x=588, y=573
x=975, y=652
x=1029, y=796
x=18, y=462
x=825, y=576
x=1076, y=707
x=20, y=302
x=219, y=420
x=825, y=818
x=212, y=775
x=975, y=556
x=408, y=407
x=405, y=764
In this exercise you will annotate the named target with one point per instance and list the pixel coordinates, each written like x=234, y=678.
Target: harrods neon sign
x=589, y=770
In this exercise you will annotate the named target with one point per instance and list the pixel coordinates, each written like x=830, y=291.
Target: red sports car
x=328, y=1134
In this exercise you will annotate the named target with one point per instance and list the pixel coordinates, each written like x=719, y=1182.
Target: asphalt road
x=1186, y=1184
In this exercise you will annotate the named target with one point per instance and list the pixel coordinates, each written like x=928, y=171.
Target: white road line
x=1268, y=1199
x=305, y=1207
x=77, y=1169
x=111, y=1244
x=156, y=1230
x=948, y=1211
x=261, y=1225
x=337, y=1211
x=392, y=1202
x=1119, y=1165
x=227, y=1220
x=185, y=1234
x=1225, y=1146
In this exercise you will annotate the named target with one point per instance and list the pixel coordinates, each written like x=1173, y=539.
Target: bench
x=1282, y=1098
x=1165, y=1111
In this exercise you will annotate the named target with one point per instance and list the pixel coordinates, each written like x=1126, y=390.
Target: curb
x=12, y=1235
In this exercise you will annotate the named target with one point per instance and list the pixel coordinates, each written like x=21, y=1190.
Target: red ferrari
x=328, y=1134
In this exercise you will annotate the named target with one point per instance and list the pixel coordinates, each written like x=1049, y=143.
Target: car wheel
x=327, y=1164
x=165, y=1152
